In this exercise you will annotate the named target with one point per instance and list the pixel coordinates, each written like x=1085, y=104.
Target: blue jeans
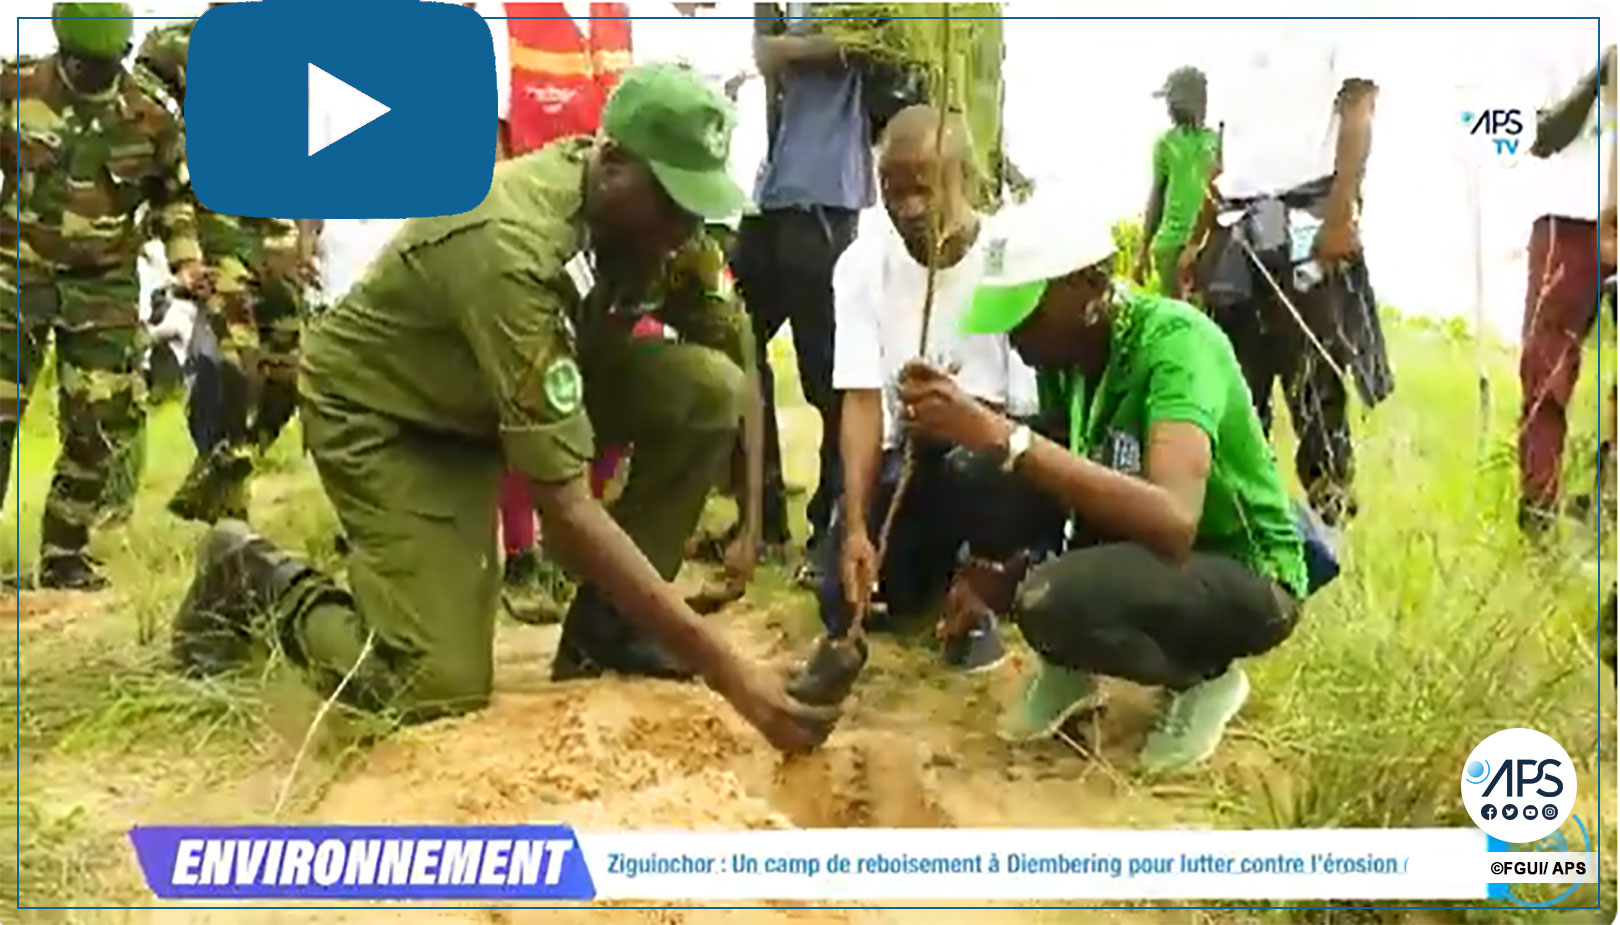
x=955, y=500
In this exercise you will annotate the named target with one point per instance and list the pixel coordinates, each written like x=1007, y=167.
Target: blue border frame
x=17, y=650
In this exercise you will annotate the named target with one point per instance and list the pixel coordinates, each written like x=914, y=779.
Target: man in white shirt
x=1566, y=273
x=879, y=286
x=1289, y=183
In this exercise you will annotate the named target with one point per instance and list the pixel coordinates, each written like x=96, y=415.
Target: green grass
x=1445, y=628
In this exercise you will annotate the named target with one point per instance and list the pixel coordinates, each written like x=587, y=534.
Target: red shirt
x=563, y=71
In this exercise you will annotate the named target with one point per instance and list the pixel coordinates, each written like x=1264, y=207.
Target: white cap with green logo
x=1030, y=244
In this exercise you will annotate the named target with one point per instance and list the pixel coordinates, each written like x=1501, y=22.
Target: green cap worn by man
x=1185, y=556
x=495, y=339
x=258, y=269
x=89, y=146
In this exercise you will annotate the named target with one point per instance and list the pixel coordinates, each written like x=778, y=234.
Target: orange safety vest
x=562, y=71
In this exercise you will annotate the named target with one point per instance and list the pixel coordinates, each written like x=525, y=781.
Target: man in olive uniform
x=85, y=144
x=496, y=339
x=256, y=269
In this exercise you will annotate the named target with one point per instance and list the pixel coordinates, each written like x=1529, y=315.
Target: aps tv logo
x=1502, y=127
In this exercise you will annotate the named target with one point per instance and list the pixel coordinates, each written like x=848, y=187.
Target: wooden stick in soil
x=839, y=662
x=936, y=247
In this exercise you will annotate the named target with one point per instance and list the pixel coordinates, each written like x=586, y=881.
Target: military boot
x=215, y=489
x=278, y=402
x=74, y=572
x=596, y=638
x=239, y=577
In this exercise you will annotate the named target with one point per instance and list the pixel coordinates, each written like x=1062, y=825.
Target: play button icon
x=336, y=109
x=284, y=120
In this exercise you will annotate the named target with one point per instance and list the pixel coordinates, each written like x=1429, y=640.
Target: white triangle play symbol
x=336, y=109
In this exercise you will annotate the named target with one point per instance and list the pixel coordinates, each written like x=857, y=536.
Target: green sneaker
x=1190, y=724
x=1051, y=695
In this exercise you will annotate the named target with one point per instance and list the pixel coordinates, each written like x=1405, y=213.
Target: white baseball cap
x=1030, y=244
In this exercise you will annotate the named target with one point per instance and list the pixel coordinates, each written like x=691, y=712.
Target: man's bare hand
x=937, y=408
x=1336, y=242
x=858, y=569
x=193, y=279
x=759, y=693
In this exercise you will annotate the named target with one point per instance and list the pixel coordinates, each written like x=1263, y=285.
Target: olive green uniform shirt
x=464, y=324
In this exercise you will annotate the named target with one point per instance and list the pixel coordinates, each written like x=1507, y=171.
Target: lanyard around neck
x=1084, y=418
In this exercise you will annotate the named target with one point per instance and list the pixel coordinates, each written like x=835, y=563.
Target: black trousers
x=1120, y=610
x=954, y=500
x=784, y=262
x=1272, y=348
x=1341, y=313
x=205, y=405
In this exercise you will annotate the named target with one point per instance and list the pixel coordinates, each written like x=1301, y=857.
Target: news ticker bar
x=551, y=862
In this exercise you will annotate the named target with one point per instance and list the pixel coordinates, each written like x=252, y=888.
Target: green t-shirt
x=1183, y=158
x=464, y=325
x=1169, y=362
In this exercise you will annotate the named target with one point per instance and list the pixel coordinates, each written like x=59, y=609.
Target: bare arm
x=861, y=445
x=775, y=53
x=1160, y=511
x=1356, y=103
x=1558, y=127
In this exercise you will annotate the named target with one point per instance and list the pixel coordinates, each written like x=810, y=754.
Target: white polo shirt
x=1281, y=130
x=878, y=291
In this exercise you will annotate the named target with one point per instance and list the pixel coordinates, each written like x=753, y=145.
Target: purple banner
x=363, y=862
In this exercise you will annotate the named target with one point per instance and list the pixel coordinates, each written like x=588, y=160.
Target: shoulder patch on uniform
x=564, y=386
x=155, y=90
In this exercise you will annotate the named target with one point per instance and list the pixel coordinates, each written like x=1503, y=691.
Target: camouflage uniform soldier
x=85, y=146
x=256, y=267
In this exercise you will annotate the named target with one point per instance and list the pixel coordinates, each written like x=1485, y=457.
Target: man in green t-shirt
x=497, y=339
x=1196, y=557
x=1184, y=159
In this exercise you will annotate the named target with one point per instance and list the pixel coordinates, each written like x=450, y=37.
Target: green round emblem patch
x=565, y=388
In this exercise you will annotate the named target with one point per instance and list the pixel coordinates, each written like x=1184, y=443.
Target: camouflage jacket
x=79, y=169
x=696, y=298
x=269, y=248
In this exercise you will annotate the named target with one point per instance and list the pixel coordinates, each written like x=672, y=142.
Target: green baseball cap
x=95, y=30
x=668, y=116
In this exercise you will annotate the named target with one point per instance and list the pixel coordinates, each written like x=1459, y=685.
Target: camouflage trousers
x=257, y=330
x=92, y=317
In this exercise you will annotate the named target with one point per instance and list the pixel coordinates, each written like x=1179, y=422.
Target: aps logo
x=1501, y=126
x=1518, y=785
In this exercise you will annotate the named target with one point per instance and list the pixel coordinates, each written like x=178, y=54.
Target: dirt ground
x=916, y=748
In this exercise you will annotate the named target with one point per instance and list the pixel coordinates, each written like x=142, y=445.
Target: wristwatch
x=1018, y=443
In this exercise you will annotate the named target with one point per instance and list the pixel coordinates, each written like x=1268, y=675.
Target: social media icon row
x=1511, y=811
x=360, y=109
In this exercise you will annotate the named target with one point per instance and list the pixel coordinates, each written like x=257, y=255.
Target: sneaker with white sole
x=1191, y=723
x=1051, y=695
x=978, y=649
